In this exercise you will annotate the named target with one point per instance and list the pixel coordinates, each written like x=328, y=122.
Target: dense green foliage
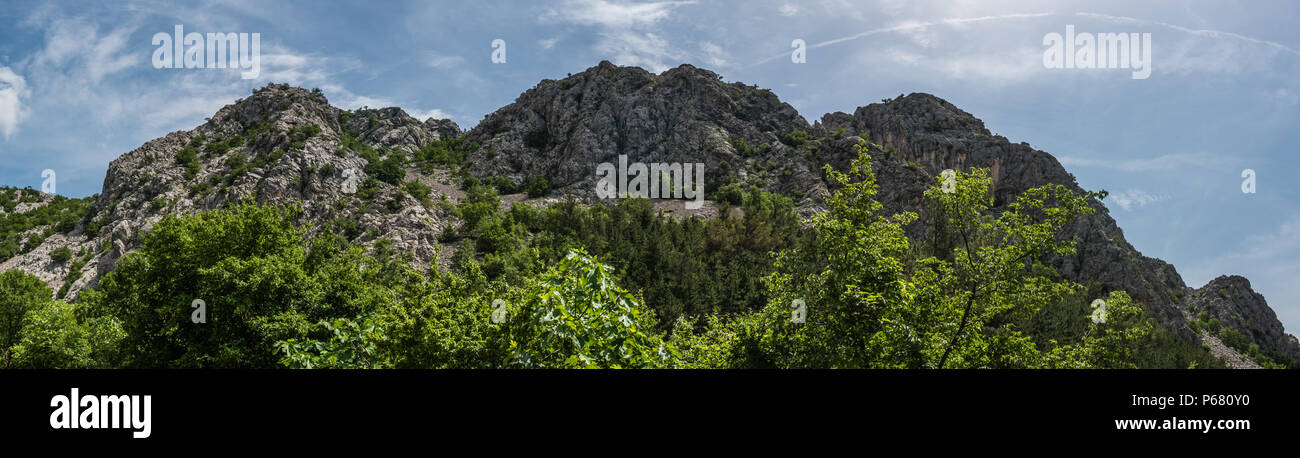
x=259, y=278
x=391, y=169
x=867, y=301
x=38, y=332
x=689, y=267
x=188, y=157
x=622, y=286
x=452, y=151
x=577, y=317
x=60, y=216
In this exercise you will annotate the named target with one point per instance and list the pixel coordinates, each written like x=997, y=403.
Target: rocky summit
x=353, y=171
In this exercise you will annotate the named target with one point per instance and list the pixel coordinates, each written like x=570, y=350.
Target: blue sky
x=77, y=87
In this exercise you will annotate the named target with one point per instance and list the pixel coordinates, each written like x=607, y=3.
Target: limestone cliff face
x=563, y=129
x=277, y=159
x=289, y=146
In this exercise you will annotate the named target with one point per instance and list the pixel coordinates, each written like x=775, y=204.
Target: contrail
x=911, y=26
x=1198, y=32
x=955, y=21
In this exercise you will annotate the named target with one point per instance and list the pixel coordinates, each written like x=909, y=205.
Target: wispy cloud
x=614, y=15
x=909, y=26
x=1134, y=198
x=445, y=62
x=1197, y=32
x=97, y=75
x=1166, y=162
x=1200, y=50
x=426, y=114
x=627, y=31
x=713, y=55
x=77, y=46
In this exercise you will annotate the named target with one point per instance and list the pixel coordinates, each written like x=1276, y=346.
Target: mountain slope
x=929, y=131
x=281, y=145
x=287, y=145
x=562, y=129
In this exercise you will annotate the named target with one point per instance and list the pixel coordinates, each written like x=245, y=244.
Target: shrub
x=187, y=157
x=795, y=139
x=61, y=254
x=738, y=144
x=418, y=190
x=537, y=186
x=578, y=317
x=390, y=170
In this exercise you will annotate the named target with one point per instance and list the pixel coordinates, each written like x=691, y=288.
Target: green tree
x=55, y=338
x=577, y=317
x=993, y=275
x=447, y=324
x=20, y=293
x=350, y=345
x=868, y=302
x=1113, y=339
x=257, y=278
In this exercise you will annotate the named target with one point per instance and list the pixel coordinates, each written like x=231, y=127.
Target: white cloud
x=283, y=65
x=349, y=101
x=1134, y=198
x=13, y=88
x=69, y=71
x=1162, y=163
x=714, y=55
x=104, y=76
x=844, y=8
x=454, y=69
x=616, y=15
x=1006, y=67
x=788, y=10
x=914, y=29
x=345, y=99
x=74, y=46
x=1197, y=32
x=548, y=43
x=627, y=31
x=646, y=50
x=433, y=113
x=445, y=62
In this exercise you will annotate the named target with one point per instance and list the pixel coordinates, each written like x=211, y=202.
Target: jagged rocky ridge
x=1230, y=300
x=281, y=164
x=561, y=129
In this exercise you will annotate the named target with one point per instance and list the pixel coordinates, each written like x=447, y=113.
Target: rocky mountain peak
x=562, y=129
x=282, y=145
x=1230, y=300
